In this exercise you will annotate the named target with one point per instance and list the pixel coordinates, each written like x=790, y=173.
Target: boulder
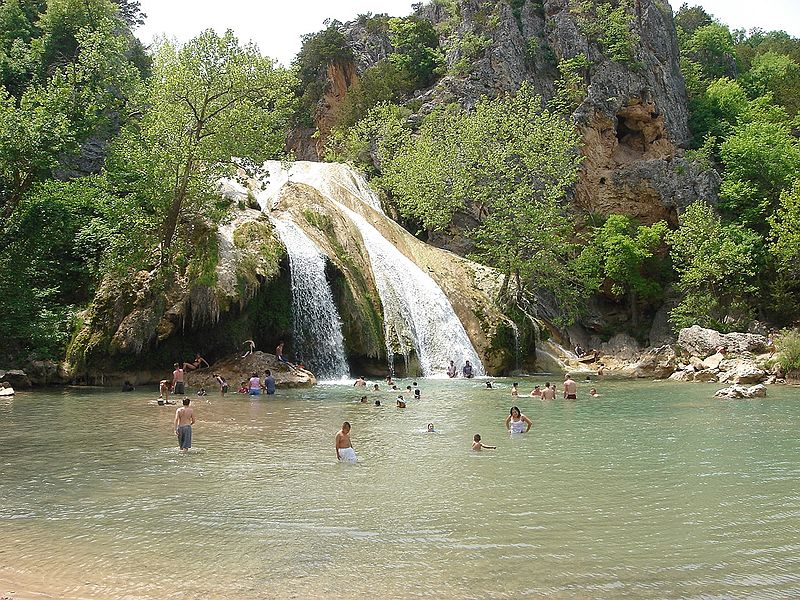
x=16, y=378
x=706, y=376
x=737, y=391
x=657, y=363
x=713, y=361
x=235, y=369
x=685, y=375
x=622, y=347
x=697, y=363
x=702, y=342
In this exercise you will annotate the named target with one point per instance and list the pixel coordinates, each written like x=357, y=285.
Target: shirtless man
x=344, y=448
x=570, y=388
x=548, y=393
x=451, y=370
x=536, y=392
x=184, y=419
x=178, y=386
x=360, y=382
x=163, y=390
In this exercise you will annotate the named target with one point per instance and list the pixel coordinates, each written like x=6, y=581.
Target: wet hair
x=377, y=402
x=515, y=384
x=186, y=402
x=537, y=386
x=417, y=392
x=430, y=425
x=346, y=424
x=477, y=437
x=267, y=372
x=515, y=408
x=408, y=387
x=415, y=383
x=375, y=387
x=547, y=384
x=363, y=398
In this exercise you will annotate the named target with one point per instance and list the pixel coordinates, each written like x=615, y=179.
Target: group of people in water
x=516, y=422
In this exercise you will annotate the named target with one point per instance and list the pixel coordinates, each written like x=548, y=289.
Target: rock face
x=235, y=368
x=633, y=118
x=736, y=391
x=698, y=341
x=655, y=363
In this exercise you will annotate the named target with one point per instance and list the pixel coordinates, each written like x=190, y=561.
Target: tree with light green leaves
x=510, y=162
x=718, y=269
x=784, y=247
x=622, y=256
x=212, y=106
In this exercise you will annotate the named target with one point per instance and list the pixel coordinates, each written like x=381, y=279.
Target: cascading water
x=317, y=333
x=417, y=314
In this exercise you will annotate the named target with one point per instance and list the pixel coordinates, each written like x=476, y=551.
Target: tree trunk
x=634, y=301
x=171, y=223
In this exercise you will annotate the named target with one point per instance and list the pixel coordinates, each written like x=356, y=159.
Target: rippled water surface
x=653, y=490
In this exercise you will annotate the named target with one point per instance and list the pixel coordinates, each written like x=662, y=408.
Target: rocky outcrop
x=736, y=391
x=698, y=341
x=655, y=363
x=16, y=378
x=236, y=368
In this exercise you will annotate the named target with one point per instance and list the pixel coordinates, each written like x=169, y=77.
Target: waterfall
x=317, y=332
x=416, y=313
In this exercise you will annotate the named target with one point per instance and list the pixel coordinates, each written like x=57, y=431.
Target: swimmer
x=430, y=428
x=408, y=389
x=344, y=448
x=360, y=382
x=477, y=445
x=593, y=393
x=516, y=422
x=417, y=394
x=201, y=392
x=515, y=389
x=537, y=392
x=377, y=402
x=400, y=402
x=223, y=385
x=375, y=388
x=489, y=385
x=364, y=400
x=549, y=392
x=570, y=388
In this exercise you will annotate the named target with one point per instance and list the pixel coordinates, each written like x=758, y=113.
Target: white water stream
x=417, y=314
x=317, y=332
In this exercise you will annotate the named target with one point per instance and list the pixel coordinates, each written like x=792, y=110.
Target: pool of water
x=652, y=490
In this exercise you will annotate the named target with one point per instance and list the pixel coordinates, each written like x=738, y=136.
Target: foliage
x=611, y=26
x=711, y=47
x=787, y=345
x=208, y=101
x=384, y=82
x=623, y=254
x=777, y=75
x=717, y=267
x=416, y=50
x=62, y=230
x=761, y=159
x=513, y=161
x=570, y=88
x=374, y=140
x=689, y=18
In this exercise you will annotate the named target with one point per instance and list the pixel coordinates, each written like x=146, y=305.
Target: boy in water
x=548, y=393
x=478, y=446
x=344, y=448
x=184, y=419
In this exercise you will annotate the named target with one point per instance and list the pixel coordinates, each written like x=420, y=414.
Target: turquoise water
x=653, y=490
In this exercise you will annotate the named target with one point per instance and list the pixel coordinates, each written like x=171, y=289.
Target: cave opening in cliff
x=629, y=137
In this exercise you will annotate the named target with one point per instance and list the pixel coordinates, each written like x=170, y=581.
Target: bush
x=787, y=345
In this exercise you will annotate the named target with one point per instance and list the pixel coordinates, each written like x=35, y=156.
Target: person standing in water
x=344, y=447
x=477, y=445
x=360, y=382
x=548, y=393
x=178, y=385
x=570, y=388
x=255, y=385
x=516, y=422
x=223, y=385
x=536, y=392
x=515, y=389
x=184, y=419
x=269, y=383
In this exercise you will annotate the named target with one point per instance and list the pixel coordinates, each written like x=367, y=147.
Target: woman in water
x=516, y=422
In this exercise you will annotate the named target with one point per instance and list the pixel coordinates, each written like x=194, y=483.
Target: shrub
x=787, y=345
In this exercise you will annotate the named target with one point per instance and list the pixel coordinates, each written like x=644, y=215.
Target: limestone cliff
x=634, y=115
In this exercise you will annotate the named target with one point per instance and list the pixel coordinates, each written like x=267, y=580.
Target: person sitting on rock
x=195, y=364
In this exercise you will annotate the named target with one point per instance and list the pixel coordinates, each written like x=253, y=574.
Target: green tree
x=513, y=161
x=784, y=247
x=717, y=266
x=416, y=50
x=623, y=255
x=208, y=101
x=712, y=48
x=761, y=159
x=777, y=75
